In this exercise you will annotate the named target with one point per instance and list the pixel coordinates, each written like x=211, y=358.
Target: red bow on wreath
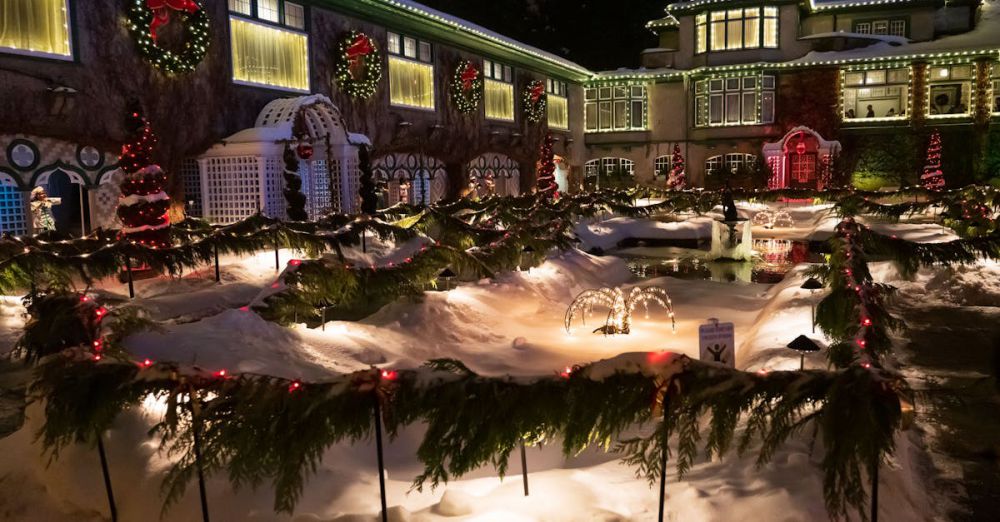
x=469, y=75
x=161, y=12
x=359, y=48
x=537, y=90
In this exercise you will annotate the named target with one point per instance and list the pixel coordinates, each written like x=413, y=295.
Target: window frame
x=558, y=90
x=870, y=24
x=273, y=27
x=869, y=79
x=506, y=78
x=713, y=96
x=967, y=88
x=619, y=101
x=282, y=22
x=400, y=54
x=70, y=9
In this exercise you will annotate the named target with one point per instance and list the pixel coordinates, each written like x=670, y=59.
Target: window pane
x=294, y=16
x=411, y=84
x=590, y=94
x=701, y=111
x=880, y=27
x=701, y=34
x=558, y=112
x=394, y=43
x=715, y=85
x=425, y=52
x=507, y=74
x=718, y=35
x=961, y=72
x=732, y=84
x=621, y=92
x=590, y=111
x=855, y=78
x=770, y=32
x=863, y=28
x=638, y=117
x=897, y=27
x=267, y=10
x=35, y=26
x=605, y=93
x=767, y=107
x=749, y=107
x=269, y=56
x=733, y=108
x=750, y=82
x=767, y=82
x=638, y=91
x=621, y=114
x=715, y=109
x=240, y=6
x=409, y=47
x=751, y=33
x=875, y=77
x=734, y=38
x=605, y=115
x=499, y=100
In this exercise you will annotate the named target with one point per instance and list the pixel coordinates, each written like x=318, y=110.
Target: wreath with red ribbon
x=358, y=68
x=467, y=87
x=535, y=101
x=145, y=17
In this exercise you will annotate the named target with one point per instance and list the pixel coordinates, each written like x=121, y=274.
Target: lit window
x=863, y=28
x=606, y=166
x=735, y=29
x=269, y=56
x=499, y=92
x=558, y=104
x=411, y=72
x=268, y=10
x=949, y=90
x=295, y=16
x=889, y=27
x=730, y=162
x=876, y=93
x=662, y=166
x=740, y=100
x=617, y=108
x=241, y=6
x=35, y=27
x=880, y=27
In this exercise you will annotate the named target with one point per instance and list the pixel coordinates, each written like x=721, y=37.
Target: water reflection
x=772, y=260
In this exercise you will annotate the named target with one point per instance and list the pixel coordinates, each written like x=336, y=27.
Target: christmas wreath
x=535, y=100
x=467, y=87
x=146, y=16
x=358, y=69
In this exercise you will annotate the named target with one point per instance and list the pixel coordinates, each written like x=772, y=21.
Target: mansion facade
x=732, y=84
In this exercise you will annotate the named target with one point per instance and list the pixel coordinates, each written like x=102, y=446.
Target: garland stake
x=381, y=461
x=524, y=468
x=215, y=248
x=875, y=465
x=663, y=456
x=131, y=285
x=196, y=434
x=107, y=478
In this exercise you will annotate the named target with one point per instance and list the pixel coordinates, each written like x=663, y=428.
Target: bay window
x=411, y=72
x=949, y=90
x=735, y=29
x=269, y=56
x=736, y=100
x=498, y=87
x=615, y=108
x=876, y=93
x=558, y=104
x=36, y=28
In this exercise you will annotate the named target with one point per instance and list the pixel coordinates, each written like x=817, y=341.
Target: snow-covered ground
x=511, y=325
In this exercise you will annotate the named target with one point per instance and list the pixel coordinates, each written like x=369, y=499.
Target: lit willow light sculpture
x=620, y=305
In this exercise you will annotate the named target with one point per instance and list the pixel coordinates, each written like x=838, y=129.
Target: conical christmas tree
x=295, y=200
x=933, y=177
x=547, y=169
x=144, y=204
x=677, y=180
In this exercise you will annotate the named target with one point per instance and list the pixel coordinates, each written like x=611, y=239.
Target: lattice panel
x=13, y=217
x=232, y=188
x=191, y=178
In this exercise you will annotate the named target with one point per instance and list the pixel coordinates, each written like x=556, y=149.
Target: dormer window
x=736, y=29
x=887, y=27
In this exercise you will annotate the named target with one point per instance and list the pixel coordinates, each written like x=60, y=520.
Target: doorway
x=71, y=213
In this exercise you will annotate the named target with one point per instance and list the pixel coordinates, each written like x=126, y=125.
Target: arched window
x=609, y=171
x=494, y=173
x=662, y=166
x=411, y=178
x=732, y=161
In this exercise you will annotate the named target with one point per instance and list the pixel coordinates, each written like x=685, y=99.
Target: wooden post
x=874, y=474
x=381, y=460
x=107, y=478
x=524, y=467
x=196, y=434
x=663, y=456
x=218, y=277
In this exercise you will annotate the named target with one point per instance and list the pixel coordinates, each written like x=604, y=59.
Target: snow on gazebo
x=243, y=174
x=799, y=159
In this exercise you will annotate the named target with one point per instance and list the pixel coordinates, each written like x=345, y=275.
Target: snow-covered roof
x=813, y=5
x=478, y=31
x=889, y=39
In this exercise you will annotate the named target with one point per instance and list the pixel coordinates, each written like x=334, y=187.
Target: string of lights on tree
x=547, y=185
x=932, y=177
x=467, y=87
x=144, y=17
x=535, y=101
x=144, y=204
x=358, y=65
x=676, y=179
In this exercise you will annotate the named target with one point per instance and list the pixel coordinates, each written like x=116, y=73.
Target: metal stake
x=196, y=434
x=663, y=456
x=875, y=466
x=131, y=284
x=524, y=467
x=218, y=277
x=107, y=478
x=381, y=460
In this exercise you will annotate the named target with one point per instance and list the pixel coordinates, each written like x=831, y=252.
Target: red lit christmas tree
x=144, y=204
x=676, y=180
x=933, y=177
x=547, y=169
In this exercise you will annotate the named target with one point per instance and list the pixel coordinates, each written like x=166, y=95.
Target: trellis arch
x=494, y=173
x=411, y=178
x=76, y=175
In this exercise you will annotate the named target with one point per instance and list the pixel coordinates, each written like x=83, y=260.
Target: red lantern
x=800, y=147
x=304, y=150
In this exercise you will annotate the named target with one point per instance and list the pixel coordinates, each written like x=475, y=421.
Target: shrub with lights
x=535, y=101
x=144, y=204
x=358, y=67
x=467, y=87
x=146, y=16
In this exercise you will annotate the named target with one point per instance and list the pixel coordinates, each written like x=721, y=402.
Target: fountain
x=725, y=242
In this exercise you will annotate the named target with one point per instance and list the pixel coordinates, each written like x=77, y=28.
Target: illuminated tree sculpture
x=620, y=305
x=142, y=208
x=933, y=177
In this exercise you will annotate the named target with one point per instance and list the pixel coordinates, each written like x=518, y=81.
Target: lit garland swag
x=263, y=429
x=145, y=16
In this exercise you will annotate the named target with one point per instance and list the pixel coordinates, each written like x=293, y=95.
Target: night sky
x=598, y=34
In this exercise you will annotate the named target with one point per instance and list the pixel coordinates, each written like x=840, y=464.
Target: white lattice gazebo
x=244, y=172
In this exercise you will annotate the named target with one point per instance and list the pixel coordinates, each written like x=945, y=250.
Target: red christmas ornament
x=304, y=150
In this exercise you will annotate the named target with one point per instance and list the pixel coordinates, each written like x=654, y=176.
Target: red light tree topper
x=144, y=204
